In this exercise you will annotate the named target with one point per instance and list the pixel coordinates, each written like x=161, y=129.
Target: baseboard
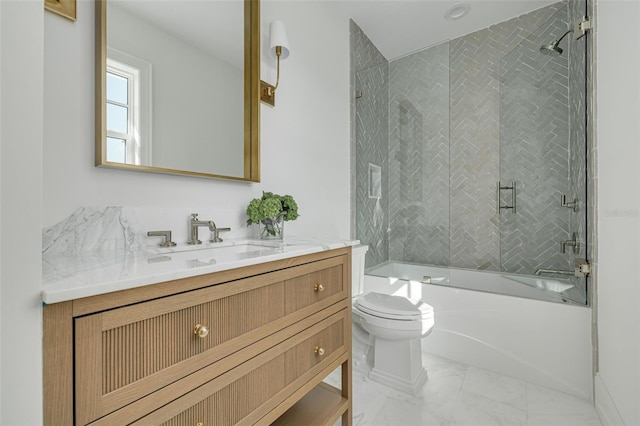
x=605, y=406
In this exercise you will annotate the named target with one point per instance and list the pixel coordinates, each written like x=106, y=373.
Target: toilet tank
x=358, y=253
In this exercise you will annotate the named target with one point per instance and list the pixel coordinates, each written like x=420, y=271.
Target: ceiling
x=396, y=27
x=400, y=27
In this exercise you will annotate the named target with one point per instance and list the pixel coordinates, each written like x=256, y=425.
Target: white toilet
x=391, y=326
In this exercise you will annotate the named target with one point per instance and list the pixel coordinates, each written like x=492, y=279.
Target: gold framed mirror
x=179, y=99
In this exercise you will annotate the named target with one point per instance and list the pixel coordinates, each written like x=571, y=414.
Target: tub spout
x=554, y=272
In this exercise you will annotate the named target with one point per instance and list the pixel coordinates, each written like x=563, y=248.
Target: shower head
x=553, y=49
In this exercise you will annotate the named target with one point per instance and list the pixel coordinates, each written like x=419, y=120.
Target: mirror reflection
x=175, y=87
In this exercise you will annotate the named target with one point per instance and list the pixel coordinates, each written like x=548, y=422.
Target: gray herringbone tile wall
x=534, y=152
x=363, y=55
x=370, y=113
x=462, y=116
x=475, y=136
x=363, y=52
x=372, y=128
x=419, y=157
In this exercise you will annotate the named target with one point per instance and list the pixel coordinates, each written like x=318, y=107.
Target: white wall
x=618, y=137
x=21, y=43
x=0, y=212
x=305, y=138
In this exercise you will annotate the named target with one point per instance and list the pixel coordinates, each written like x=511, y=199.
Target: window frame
x=138, y=139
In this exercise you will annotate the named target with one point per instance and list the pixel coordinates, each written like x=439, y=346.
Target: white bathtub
x=497, y=323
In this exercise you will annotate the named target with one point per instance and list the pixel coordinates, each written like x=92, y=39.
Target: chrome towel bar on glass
x=513, y=189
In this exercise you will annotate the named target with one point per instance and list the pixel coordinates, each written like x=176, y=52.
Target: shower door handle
x=513, y=188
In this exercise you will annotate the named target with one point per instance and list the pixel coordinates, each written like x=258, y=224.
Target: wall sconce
x=278, y=45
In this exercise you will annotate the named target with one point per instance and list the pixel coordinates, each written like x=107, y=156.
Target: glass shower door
x=542, y=190
x=372, y=129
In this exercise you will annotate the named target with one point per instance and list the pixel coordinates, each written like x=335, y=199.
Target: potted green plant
x=270, y=212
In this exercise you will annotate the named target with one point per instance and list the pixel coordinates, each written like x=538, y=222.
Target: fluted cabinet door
x=241, y=395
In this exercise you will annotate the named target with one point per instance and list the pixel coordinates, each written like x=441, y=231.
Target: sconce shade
x=278, y=37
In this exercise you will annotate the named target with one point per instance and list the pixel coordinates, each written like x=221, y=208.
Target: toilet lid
x=394, y=307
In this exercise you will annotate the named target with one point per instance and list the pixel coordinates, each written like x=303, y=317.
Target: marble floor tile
x=368, y=400
x=541, y=400
x=414, y=412
x=444, y=375
x=496, y=387
x=475, y=410
x=458, y=395
x=564, y=420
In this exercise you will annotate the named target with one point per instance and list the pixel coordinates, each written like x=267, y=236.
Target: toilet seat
x=394, y=307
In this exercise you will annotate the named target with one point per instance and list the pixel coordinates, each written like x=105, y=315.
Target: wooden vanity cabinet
x=244, y=346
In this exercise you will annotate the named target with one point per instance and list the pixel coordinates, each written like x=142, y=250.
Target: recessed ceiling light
x=457, y=11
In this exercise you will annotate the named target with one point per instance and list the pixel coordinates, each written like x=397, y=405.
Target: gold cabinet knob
x=201, y=330
x=318, y=287
x=319, y=350
x=200, y=424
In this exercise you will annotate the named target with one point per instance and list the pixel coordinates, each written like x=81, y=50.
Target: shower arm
x=580, y=29
x=561, y=37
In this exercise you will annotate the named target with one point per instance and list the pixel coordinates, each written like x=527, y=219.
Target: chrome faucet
x=194, y=224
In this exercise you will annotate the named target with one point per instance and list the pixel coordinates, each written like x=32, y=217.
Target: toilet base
x=398, y=364
x=413, y=387
x=362, y=357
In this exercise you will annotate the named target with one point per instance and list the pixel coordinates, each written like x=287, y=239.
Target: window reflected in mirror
x=129, y=109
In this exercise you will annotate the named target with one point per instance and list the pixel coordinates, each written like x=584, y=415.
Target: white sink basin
x=210, y=255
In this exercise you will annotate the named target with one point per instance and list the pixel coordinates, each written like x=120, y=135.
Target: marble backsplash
x=119, y=228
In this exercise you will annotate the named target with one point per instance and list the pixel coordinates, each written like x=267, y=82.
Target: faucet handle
x=215, y=237
x=167, y=237
x=573, y=242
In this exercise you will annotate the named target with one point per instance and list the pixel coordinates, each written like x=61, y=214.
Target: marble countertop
x=89, y=274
